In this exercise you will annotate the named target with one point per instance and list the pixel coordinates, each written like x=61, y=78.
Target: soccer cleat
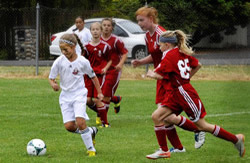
x=173, y=150
x=98, y=121
x=159, y=154
x=91, y=153
x=117, y=105
x=199, y=138
x=105, y=126
x=240, y=144
x=95, y=131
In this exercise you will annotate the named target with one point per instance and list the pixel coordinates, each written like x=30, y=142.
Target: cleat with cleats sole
x=117, y=105
x=98, y=121
x=173, y=150
x=240, y=144
x=159, y=154
x=105, y=126
x=199, y=138
x=91, y=153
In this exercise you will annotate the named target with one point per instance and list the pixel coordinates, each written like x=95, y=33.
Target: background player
x=83, y=33
x=147, y=18
x=98, y=54
x=179, y=66
x=118, y=56
x=73, y=97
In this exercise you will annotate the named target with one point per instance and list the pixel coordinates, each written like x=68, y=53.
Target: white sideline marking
x=227, y=114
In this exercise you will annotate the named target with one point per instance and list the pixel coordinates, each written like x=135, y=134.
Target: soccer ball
x=36, y=147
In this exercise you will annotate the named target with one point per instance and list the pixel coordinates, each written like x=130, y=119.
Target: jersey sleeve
x=193, y=61
x=164, y=67
x=121, y=47
x=107, y=52
x=54, y=69
x=88, y=69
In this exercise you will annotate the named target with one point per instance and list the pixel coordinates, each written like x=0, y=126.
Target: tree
x=202, y=18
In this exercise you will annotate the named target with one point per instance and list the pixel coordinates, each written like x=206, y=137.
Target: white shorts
x=74, y=107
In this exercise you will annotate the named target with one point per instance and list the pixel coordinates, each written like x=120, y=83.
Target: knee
x=155, y=117
x=70, y=127
x=106, y=99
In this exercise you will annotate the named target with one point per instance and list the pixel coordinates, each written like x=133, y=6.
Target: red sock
x=114, y=99
x=186, y=124
x=173, y=137
x=103, y=114
x=106, y=105
x=160, y=133
x=221, y=133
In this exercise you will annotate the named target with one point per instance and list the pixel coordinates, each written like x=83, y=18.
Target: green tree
x=202, y=18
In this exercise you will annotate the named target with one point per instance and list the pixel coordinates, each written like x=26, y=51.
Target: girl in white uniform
x=71, y=68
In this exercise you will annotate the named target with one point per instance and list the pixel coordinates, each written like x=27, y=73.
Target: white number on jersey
x=184, y=68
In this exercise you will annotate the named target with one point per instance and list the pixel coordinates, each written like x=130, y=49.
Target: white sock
x=77, y=131
x=87, y=139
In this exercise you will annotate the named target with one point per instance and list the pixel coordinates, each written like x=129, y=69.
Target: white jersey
x=84, y=36
x=71, y=73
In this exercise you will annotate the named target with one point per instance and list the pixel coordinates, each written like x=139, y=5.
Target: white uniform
x=84, y=36
x=73, y=96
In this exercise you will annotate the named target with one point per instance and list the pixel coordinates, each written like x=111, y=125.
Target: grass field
x=29, y=109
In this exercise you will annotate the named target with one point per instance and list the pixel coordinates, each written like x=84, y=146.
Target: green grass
x=29, y=109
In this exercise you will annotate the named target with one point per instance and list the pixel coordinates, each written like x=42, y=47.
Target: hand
x=104, y=71
x=150, y=73
x=56, y=87
x=135, y=63
x=118, y=67
x=100, y=96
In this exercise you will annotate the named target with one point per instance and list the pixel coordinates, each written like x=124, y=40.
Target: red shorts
x=92, y=92
x=160, y=92
x=185, y=98
x=110, y=83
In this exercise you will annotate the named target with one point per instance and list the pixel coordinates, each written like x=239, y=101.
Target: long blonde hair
x=182, y=40
x=148, y=11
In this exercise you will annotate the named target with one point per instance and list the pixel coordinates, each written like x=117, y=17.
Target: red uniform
x=152, y=43
x=98, y=57
x=176, y=68
x=112, y=77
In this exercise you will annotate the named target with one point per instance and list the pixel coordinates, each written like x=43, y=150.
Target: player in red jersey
x=97, y=52
x=118, y=56
x=148, y=21
x=179, y=66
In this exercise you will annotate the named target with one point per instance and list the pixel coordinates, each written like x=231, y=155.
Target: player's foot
x=199, y=138
x=105, y=126
x=240, y=144
x=95, y=131
x=98, y=121
x=173, y=150
x=117, y=105
x=91, y=153
x=159, y=154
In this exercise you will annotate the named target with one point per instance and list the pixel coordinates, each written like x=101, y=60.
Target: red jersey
x=117, y=48
x=176, y=67
x=97, y=55
x=152, y=42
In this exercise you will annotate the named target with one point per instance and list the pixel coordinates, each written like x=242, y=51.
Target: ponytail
x=182, y=42
x=80, y=44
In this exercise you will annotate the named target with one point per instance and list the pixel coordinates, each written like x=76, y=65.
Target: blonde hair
x=70, y=39
x=148, y=12
x=182, y=39
x=97, y=23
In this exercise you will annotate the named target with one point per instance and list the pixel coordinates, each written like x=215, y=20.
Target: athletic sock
x=103, y=114
x=223, y=134
x=188, y=125
x=173, y=137
x=106, y=105
x=160, y=133
x=114, y=99
x=87, y=139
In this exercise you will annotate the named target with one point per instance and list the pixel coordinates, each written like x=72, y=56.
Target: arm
x=119, y=66
x=98, y=88
x=194, y=70
x=154, y=75
x=105, y=69
x=143, y=61
x=54, y=84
